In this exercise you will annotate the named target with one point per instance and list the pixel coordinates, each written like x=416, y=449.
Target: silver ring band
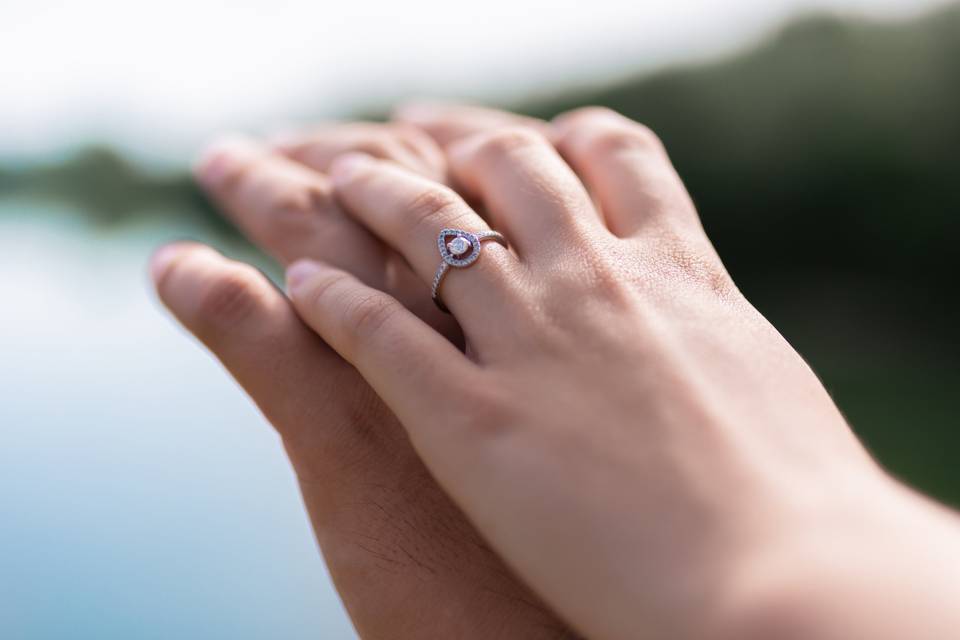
x=459, y=249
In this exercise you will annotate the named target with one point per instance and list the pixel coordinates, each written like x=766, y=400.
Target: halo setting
x=459, y=249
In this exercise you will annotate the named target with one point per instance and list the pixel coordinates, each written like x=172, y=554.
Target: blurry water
x=141, y=494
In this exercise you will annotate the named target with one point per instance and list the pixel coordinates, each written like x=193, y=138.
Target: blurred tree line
x=830, y=152
x=825, y=165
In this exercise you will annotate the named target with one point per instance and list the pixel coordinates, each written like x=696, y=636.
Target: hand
x=638, y=443
x=406, y=562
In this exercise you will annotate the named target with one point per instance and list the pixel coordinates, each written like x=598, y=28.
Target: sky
x=159, y=78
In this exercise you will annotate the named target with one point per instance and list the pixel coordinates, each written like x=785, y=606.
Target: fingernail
x=345, y=166
x=161, y=260
x=216, y=161
x=299, y=272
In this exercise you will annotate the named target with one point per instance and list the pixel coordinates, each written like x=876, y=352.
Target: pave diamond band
x=459, y=249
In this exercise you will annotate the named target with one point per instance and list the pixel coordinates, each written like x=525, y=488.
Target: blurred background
x=141, y=495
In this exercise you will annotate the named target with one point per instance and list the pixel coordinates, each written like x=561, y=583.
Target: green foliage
x=825, y=166
x=109, y=189
x=831, y=147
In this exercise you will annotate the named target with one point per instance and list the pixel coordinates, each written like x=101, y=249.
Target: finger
x=408, y=212
x=285, y=208
x=526, y=187
x=411, y=367
x=404, y=144
x=289, y=211
x=348, y=451
x=253, y=330
x=447, y=123
x=626, y=168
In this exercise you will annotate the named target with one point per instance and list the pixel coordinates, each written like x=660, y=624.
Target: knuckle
x=509, y=140
x=614, y=140
x=362, y=316
x=432, y=208
x=602, y=131
x=231, y=299
x=324, y=291
x=366, y=314
x=354, y=315
x=407, y=132
x=237, y=175
x=294, y=205
x=289, y=215
x=586, y=116
x=419, y=144
x=382, y=146
x=357, y=313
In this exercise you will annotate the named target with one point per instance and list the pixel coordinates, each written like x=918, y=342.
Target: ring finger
x=408, y=213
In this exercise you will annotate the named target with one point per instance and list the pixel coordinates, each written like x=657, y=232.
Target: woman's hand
x=404, y=559
x=626, y=430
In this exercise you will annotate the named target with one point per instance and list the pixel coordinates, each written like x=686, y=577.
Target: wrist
x=872, y=566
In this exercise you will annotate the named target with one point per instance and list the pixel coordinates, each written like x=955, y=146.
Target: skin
x=629, y=435
x=404, y=559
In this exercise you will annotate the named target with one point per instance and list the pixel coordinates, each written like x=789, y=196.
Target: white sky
x=161, y=77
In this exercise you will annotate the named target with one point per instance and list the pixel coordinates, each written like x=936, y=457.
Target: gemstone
x=458, y=246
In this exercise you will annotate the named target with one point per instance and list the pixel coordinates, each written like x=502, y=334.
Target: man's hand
x=403, y=557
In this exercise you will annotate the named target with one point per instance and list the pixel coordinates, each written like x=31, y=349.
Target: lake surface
x=141, y=494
